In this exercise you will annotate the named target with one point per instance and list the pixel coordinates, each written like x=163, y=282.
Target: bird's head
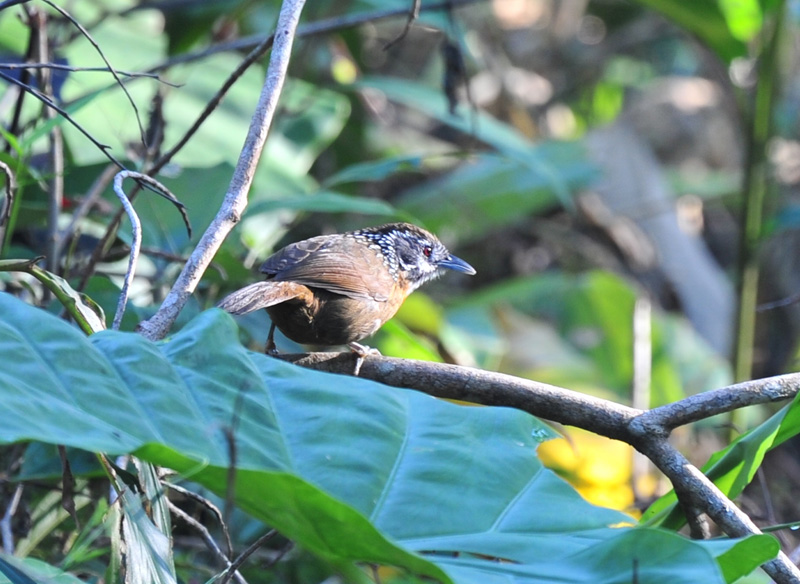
x=411, y=253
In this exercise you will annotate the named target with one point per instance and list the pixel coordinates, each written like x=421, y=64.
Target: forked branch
x=646, y=430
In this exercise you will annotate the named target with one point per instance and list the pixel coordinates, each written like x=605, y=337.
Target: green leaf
x=148, y=551
x=743, y=556
x=504, y=138
x=29, y=571
x=640, y=555
x=325, y=202
x=705, y=19
x=375, y=170
x=744, y=18
x=86, y=312
x=14, y=574
x=338, y=465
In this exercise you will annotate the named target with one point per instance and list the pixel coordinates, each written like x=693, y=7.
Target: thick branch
x=647, y=431
x=483, y=387
x=550, y=402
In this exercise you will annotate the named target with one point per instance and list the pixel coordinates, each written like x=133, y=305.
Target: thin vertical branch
x=8, y=202
x=6, y=533
x=235, y=201
x=642, y=376
x=56, y=195
x=754, y=193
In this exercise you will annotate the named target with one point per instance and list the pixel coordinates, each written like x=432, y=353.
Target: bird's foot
x=362, y=352
x=270, y=348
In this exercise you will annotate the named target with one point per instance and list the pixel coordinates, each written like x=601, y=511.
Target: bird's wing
x=334, y=263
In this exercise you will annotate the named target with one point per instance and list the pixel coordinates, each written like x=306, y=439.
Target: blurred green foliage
x=365, y=135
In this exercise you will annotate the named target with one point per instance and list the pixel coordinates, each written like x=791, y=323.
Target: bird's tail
x=262, y=295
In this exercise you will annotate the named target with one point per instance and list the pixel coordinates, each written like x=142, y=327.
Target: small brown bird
x=338, y=289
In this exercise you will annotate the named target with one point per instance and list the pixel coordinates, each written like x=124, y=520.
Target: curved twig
x=236, y=564
x=207, y=504
x=136, y=232
x=136, y=228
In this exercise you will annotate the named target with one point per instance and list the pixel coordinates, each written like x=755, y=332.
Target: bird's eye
x=427, y=251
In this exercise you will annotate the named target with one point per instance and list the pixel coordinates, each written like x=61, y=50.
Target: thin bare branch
x=235, y=200
x=5, y=523
x=10, y=3
x=789, y=300
x=100, y=52
x=75, y=69
x=320, y=27
x=208, y=505
x=56, y=187
x=207, y=538
x=8, y=201
x=104, y=148
x=413, y=15
x=240, y=559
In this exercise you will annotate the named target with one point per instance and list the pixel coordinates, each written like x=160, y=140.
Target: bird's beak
x=457, y=264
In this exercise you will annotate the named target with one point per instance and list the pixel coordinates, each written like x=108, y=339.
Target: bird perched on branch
x=339, y=289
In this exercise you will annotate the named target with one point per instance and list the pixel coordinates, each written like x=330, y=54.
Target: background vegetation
x=621, y=174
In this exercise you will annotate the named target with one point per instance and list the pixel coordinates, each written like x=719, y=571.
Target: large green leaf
x=335, y=463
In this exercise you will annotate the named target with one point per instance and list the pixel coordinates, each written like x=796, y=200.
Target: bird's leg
x=361, y=351
x=270, y=348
